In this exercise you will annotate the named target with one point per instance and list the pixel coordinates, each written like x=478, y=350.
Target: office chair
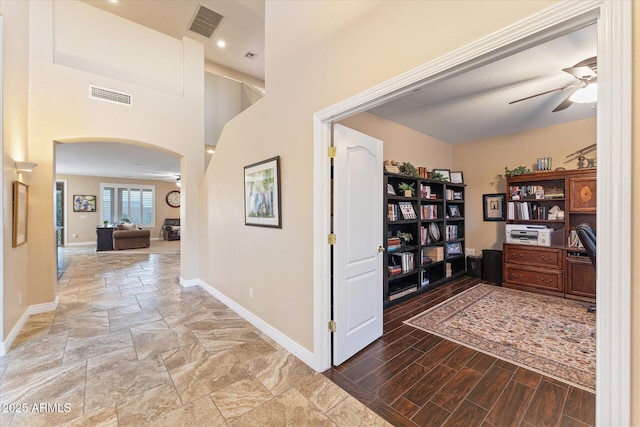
x=588, y=239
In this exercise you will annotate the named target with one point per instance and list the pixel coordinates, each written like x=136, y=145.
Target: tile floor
x=128, y=346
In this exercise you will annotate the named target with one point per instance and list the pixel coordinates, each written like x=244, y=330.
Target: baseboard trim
x=31, y=310
x=293, y=347
x=188, y=283
x=81, y=244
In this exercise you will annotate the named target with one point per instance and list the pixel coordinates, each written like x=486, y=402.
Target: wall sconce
x=26, y=166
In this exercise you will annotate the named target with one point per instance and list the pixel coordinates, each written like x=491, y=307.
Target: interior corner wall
x=81, y=226
x=14, y=66
x=350, y=55
x=61, y=110
x=483, y=161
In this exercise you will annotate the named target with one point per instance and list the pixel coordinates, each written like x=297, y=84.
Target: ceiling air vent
x=110, y=95
x=206, y=22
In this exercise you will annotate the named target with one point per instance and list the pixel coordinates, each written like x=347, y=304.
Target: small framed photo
x=494, y=207
x=454, y=211
x=456, y=177
x=445, y=173
x=390, y=190
x=453, y=248
x=262, y=194
x=84, y=203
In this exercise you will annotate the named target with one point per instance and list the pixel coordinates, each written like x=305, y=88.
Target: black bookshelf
x=435, y=253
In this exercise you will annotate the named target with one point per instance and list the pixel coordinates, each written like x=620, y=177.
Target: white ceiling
x=475, y=105
x=467, y=107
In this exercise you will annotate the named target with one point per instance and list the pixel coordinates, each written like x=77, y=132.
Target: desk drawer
x=534, y=278
x=534, y=256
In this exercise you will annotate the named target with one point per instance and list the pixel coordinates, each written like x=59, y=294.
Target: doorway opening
x=613, y=127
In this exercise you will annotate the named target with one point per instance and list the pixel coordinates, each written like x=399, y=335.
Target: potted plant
x=105, y=222
x=404, y=237
x=407, y=189
x=408, y=169
x=520, y=170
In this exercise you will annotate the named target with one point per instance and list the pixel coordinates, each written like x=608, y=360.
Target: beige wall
x=15, y=274
x=403, y=144
x=483, y=163
x=83, y=224
x=350, y=54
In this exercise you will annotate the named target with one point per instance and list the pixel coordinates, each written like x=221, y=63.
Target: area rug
x=549, y=335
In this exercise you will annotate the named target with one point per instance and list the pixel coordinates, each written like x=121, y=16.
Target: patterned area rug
x=549, y=335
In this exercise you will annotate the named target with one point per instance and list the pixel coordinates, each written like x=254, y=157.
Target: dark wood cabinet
x=562, y=269
x=433, y=215
x=104, y=238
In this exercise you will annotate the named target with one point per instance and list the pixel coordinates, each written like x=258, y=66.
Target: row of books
x=425, y=192
x=403, y=259
x=429, y=212
x=425, y=237
x=526, y=210
x=451, y=232
x=399, y=211
x=521, y=192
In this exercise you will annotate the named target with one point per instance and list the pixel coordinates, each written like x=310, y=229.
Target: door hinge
x=332, y=239
x=332, y=325
x=332, y=152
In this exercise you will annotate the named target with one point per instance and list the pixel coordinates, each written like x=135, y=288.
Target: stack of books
x=448, y=270
x=402, y=290
x=429, y=212
x=404, y=260
x=394, y=243
x=425, y=237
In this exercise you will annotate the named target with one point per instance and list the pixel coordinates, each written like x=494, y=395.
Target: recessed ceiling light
x=222, y=43
x=113, y=1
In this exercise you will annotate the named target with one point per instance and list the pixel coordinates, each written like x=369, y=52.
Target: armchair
x=171, y=229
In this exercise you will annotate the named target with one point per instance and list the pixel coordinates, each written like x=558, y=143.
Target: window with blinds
x=122, y=202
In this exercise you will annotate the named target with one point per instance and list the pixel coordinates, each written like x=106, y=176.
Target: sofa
x=171, y=229
x=129, y=236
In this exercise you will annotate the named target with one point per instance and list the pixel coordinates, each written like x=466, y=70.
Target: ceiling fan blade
x=538, y=94
x=566, y=103
x=581, y=73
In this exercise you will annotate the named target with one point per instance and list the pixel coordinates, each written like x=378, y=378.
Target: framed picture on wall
x=84, y=203
x=20, y=207
x=456, y=177
x=494, y=207
x=262, y=194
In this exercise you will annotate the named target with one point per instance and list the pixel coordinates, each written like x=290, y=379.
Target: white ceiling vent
x=110, y=95
x=206, y=22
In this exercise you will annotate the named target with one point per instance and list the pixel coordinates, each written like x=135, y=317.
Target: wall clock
x=173, y=198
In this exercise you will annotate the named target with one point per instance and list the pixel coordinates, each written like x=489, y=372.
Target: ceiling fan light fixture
x=585, y=95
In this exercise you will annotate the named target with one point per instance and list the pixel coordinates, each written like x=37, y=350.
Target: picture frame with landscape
x=262, y=207
x=494, y=207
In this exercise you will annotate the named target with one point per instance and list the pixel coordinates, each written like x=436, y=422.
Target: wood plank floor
x=413, y=378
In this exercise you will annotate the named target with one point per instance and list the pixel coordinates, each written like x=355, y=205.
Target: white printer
x=537, y=235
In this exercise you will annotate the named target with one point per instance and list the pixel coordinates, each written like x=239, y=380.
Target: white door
x=357, y=260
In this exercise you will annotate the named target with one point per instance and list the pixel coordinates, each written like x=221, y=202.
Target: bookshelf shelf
x=429, y=222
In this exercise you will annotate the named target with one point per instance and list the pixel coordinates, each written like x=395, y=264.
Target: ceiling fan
x=584, y=90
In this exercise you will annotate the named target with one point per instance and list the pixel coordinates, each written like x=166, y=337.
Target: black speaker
x=474, y=266
x=492, y=266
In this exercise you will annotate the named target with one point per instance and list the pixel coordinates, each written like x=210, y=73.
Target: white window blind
x=128, y=202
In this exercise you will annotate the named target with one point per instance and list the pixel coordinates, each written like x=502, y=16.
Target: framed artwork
x=454, y=211
x=83, y=203
x=262, y=194
x=446, y=174
x=456, y=177
x=494, y=207
x=20, y=205
x=453, y=248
